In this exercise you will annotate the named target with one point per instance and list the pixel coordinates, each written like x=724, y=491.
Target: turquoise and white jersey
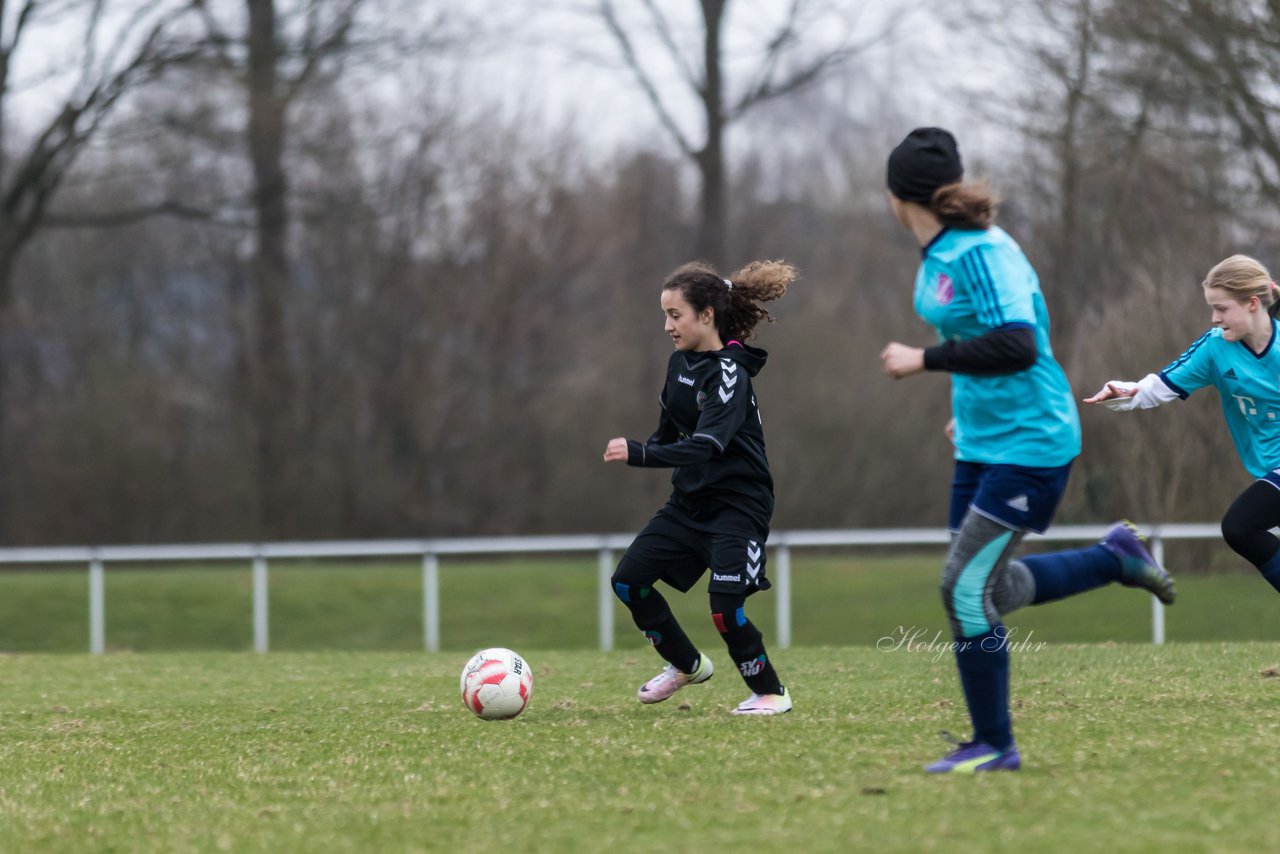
x=969, y=283
x=1249, y=385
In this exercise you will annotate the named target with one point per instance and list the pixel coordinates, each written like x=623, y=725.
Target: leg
x=1120, y=557
x=974, y=566
x=737, y=571
x=744, y=642
x=1247, y=528
x=662, y=551
x=633, y=583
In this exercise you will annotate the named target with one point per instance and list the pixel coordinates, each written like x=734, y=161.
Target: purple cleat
x=970, y=757
x=1137, y=567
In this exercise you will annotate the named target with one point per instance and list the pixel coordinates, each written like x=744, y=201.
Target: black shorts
x=669, y=550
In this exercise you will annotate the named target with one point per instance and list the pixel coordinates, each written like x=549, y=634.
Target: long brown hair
x=965, y=205
x=736, y=299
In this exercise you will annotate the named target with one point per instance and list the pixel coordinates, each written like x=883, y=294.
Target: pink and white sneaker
x=765, y=704
x=671, y=680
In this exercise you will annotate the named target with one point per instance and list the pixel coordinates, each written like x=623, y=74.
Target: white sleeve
x=1151, y=392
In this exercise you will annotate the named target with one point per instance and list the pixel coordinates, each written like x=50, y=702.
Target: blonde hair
x=1243, y=277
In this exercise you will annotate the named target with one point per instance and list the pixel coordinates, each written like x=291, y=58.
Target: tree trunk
x=712, y=234
x=271, y=396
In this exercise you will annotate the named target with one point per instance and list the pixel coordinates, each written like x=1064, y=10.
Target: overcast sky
x=551, y=66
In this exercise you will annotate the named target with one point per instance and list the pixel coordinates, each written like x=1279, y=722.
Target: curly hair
x=736, y=299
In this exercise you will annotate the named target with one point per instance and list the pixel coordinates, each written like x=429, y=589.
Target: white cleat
x=671, y=680
x=765, y=704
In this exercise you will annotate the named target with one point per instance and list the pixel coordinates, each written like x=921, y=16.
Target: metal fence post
x=784, y=596
x=431, y=601
x=97, y=606
x=259, y=603
x=605, y=596
x=1157, y=607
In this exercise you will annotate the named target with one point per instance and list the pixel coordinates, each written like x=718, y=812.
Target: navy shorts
x=669, y=550
x=1020, y=497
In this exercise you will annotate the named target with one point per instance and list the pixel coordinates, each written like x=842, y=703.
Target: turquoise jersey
x=1249, y=385
x=969, y=283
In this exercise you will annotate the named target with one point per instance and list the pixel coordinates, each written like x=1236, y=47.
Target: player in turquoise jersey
x=1241, y=358
x=1015, y=428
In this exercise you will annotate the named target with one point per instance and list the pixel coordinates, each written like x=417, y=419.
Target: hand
x=899, y=360
x=1112, y=390
x=950, y=430
x=616, y=451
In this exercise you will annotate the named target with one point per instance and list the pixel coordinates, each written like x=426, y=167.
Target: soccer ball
x=496, y=684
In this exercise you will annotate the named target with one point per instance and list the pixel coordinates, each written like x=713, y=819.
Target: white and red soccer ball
x=496, y=684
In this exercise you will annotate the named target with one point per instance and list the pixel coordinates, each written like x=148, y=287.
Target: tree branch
x=317, y=52
x=131, y=216
x=642, y=77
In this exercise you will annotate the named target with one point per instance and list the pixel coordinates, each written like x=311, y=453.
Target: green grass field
x=348, y=738
x=1127, y=748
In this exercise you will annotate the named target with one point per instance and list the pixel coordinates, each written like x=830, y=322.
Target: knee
x=729, y=615
x=1235, y=530
x=730, y=620
x=947, y=590
x=629, y=583
x=965, y=604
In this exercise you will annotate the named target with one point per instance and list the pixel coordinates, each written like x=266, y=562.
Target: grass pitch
x=1126, y=747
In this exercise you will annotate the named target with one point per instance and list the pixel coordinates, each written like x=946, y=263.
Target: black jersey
x=710, y=431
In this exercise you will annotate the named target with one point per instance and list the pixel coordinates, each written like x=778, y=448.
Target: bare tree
x=117, y=54
x=1227, y=55
x=786, y=59
x=115, y=58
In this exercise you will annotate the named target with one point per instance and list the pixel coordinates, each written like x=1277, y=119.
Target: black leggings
x=1249, y=520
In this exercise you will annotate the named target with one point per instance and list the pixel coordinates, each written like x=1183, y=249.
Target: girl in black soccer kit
x=722, y=492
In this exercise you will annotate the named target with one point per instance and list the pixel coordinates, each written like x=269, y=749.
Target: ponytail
x=965, y=206
x=735, y=299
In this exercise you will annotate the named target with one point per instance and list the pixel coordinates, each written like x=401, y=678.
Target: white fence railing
x=606, y=546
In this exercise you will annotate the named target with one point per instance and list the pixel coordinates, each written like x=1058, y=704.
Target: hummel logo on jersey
x=686, y=380
x=1229, y=375
x=1019, y=503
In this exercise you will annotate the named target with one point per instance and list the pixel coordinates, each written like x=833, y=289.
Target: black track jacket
x=710, y=431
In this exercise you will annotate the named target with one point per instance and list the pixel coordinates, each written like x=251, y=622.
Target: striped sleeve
x=999, y=297
x=1193, y=369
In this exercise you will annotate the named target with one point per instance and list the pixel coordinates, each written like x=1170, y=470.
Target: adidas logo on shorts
x=1019, y=503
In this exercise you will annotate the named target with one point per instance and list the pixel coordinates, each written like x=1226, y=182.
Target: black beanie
x=926, y=160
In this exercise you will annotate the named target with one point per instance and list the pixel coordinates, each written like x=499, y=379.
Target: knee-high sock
x=983, y=662
x=1066, y=573
x=745, y=644
x=652, y=615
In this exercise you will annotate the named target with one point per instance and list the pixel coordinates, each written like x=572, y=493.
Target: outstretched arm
x=1149, y=392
